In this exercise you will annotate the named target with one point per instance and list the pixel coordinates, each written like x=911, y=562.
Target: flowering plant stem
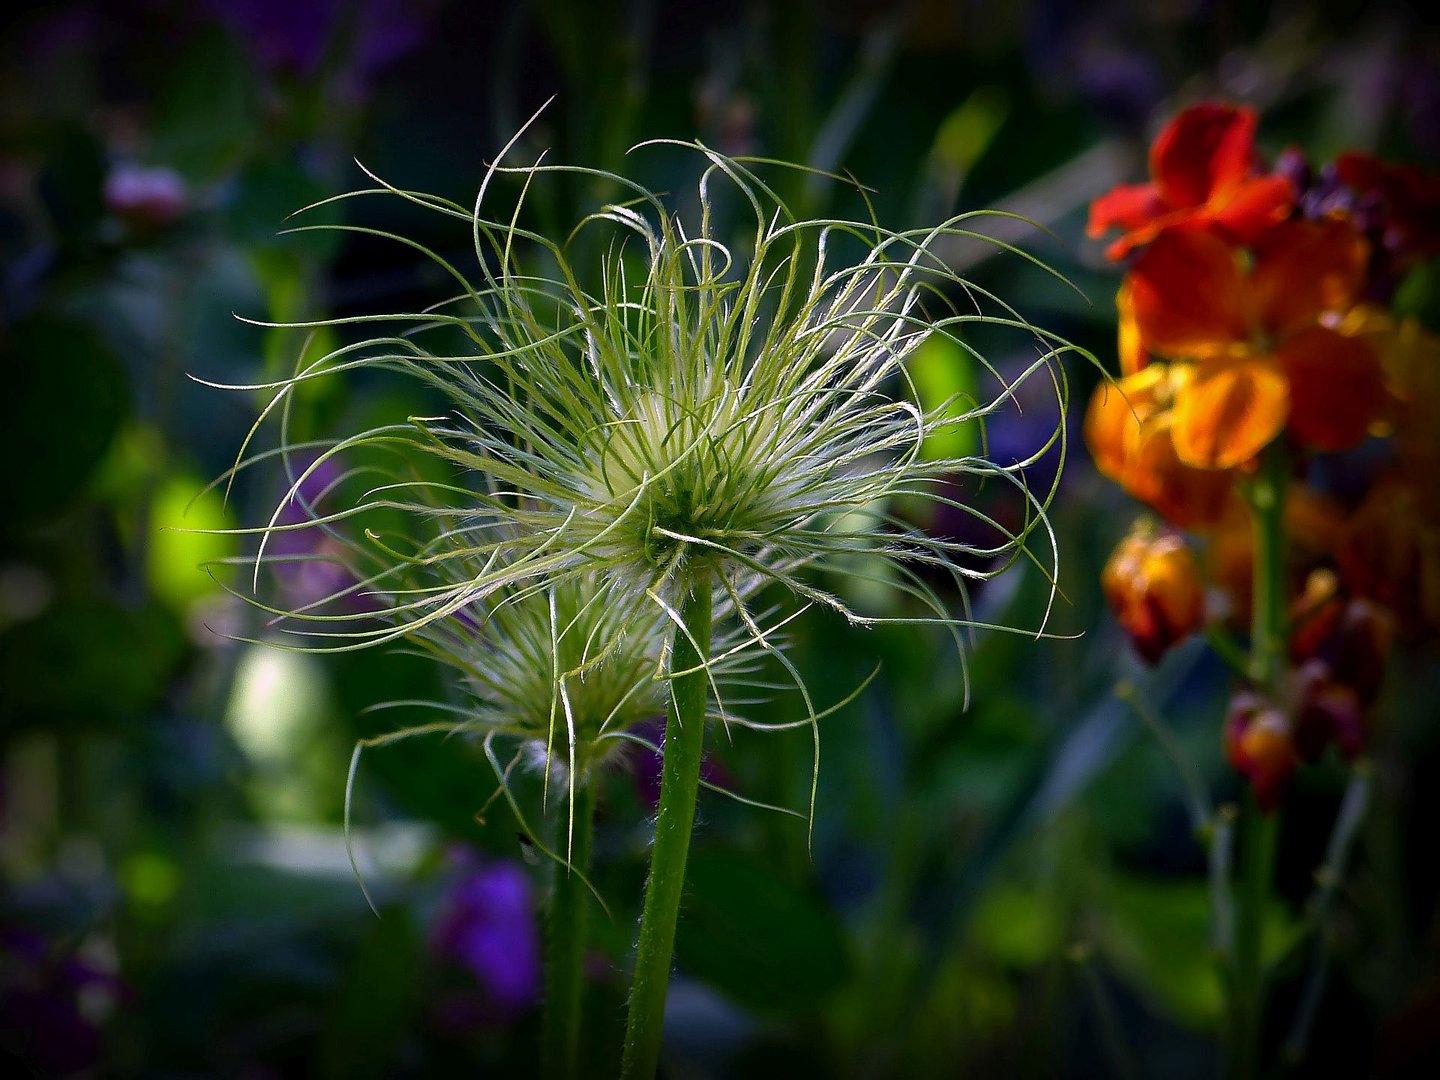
x=679, y=786
x=1259, y=829
x=1258, y=835
x=565, y=960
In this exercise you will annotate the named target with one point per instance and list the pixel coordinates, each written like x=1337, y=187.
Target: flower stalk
x=1259, y=830
x=560, y=1020
x=679, y=787
x=1328, y=878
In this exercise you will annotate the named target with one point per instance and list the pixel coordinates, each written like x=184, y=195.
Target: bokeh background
x=1014, y=886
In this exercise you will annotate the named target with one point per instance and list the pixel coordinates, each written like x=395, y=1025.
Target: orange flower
x=1203, y=170
x=1153, y=585
x=1265, y=358
x=1129, y=427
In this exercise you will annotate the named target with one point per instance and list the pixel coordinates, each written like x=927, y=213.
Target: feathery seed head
x=563, y=670
x=729, y=405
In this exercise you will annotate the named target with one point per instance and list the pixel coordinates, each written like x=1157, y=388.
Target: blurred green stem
x=1197, y=799
x=560, y=1021
x=679, y=786
x=1247, y=993
x=1123, y=1063
x=1259, y=829
x=1269, y=630
x=1327, y=883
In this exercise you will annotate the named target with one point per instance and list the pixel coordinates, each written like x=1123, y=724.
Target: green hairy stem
x=679, y=786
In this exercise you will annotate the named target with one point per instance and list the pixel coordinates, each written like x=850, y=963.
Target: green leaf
x=756, y=937
x=1019, y=927
x=1157, y=936
x=176, y=556
x=65, y=396
x=266, y=195
x=1419, y=295
x=376, y=1004
x=208, y=110
x=86, y=663
x=945, y=378
x=71, y=184
x=967, y=132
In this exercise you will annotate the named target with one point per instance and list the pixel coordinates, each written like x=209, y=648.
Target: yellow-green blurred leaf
x=944, y=377
x=176, y=553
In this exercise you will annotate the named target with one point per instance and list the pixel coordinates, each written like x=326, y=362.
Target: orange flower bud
x=1326, y=709
x=1350, y=636
x=1259, y=744
x=1315, y=614
x=1153, y=585
x=1357, y=650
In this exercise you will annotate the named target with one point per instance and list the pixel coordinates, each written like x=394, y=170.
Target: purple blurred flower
x=1087, y=48
x=1122, y=86
x=307, y=566
x=49, y=999
x=148, y=197
x=1419, y=95
x=1014, y=433
x=292, y=36
x=646, y=765
x=287, y=35
x=488, y=925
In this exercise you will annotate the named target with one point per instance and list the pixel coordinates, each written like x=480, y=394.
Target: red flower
x=1265, y=358
x=1203, y=170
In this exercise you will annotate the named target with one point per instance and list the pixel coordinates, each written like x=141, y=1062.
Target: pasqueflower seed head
x=727, y=404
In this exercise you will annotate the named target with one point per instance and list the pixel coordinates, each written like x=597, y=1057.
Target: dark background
x=1014, y=887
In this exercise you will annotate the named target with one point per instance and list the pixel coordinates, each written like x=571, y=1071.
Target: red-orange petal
x=1253, y=207
x=1188, y=498
x=1229, y=411
x=1305, y=268
x=1206, y=150
x=1187, y=294
x=1127, y=207
x=1133, y=354
x=1114, y=416
x=1336, y=387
